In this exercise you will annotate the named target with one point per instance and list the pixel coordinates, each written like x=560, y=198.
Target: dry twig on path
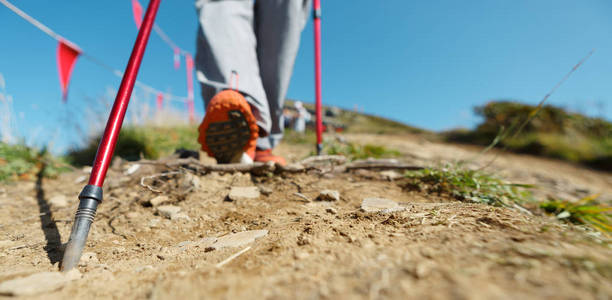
x=232, y=257
x=381, y=164
x=142, y=179
x=336, y=162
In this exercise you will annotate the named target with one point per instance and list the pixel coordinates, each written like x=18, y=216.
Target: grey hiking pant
x=257, y=39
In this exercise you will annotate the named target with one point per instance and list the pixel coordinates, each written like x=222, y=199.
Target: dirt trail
x=437, y=248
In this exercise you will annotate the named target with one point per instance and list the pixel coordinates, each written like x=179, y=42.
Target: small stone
x=179, y=216
x=6, y=244
x=421, y=270
x=390, y=175
x=167, y=211
x=367, y=174
x=159, y=200
x=132, y=215
x=331, y=210
x=80, y=179
x=238, y=239
x=303, y=240
x=564, y=214
x=241, y=179
x=380, y=205
x=301, y=255
x=188, y=183
x=193, y=180
x=58, y=201
x=266, y=191
x=86, y=169
x=144, y=268
x=243, y=193
x=206, y=242
x=154, y=223
x=88, y=258
x=329, y=195
x=131, y=169
x=36, y=283
x=185, y=243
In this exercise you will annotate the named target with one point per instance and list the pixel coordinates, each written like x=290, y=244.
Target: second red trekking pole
x=91, y=195
x=316, y=5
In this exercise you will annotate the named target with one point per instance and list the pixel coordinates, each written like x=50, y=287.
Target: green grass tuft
x=477, y=186
x=355, y=151
x=586, y=211
x=469, y=185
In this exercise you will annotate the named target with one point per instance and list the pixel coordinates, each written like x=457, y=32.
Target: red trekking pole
x=316, y=5
x=91, y=195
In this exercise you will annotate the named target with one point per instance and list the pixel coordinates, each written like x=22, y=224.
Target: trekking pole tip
x=89, y=197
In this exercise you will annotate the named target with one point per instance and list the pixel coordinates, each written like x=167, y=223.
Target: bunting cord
x=146, y=87
x=136, y=7
x=42, y=27
x=166, y=39
x=169, y=41
x=32, y=21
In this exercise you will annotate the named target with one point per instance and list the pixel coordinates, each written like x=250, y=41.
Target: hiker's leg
x=278, y=25
x=226, y=42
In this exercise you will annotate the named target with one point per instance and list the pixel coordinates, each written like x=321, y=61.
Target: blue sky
x=425, y=63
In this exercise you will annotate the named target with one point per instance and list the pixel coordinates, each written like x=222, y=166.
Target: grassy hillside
x=553, y=132
x=358, y=122
x=152, y=142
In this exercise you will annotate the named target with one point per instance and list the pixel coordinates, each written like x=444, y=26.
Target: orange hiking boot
x=229, y=130
x=266, y=156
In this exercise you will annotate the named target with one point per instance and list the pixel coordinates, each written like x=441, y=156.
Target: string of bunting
x=177, y=52
x=68, y=52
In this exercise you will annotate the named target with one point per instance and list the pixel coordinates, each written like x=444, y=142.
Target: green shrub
x=468, y=185
x=136, y=142
x=586, y=211
x=23, y=162
x=553, y=132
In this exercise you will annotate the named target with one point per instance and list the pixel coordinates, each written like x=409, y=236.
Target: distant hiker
x=258, y=40
x=301, y=118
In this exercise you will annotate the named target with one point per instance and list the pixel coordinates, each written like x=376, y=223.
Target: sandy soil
x=437, y=248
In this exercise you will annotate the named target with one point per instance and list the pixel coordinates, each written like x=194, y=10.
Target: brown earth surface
x=437, y=248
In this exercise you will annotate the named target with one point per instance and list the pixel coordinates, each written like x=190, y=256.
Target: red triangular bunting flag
x=66, y=57
x=188, y=62
x=137, y=10
x=160, y=101
x=189, y=67
x=190, y=109
x=177, y=58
